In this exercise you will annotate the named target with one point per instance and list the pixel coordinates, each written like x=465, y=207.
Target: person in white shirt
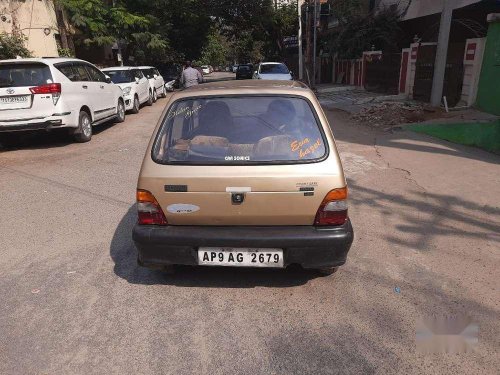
x=190, y=76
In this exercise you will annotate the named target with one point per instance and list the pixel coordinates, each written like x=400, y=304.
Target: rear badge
x=176, y=188
x=237, y=198
x=182, y=208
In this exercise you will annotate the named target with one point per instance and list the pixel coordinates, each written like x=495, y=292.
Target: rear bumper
x=47, y=123
x=305, y=245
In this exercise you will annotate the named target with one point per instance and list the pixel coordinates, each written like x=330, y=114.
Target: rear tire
x=120, y=111
x=163, y=91
x=149, y=103
x=137, y=105
x=83, y=133
x=327, y=271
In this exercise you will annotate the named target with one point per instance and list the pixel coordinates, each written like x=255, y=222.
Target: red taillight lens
x=51, y=88
x=333, y=209
x=148, y=209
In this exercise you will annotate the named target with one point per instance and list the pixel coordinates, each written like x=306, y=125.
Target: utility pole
x=315, y=21
x=442, y=53
x=308, y=40
x=301, y=58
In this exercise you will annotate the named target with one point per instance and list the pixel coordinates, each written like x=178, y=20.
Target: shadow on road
x=124, y=255
x=40, y=139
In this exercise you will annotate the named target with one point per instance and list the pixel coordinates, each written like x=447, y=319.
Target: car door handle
x=85, y=87
x=102, y=86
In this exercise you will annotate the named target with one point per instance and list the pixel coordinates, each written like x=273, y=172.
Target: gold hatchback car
x=243, y=174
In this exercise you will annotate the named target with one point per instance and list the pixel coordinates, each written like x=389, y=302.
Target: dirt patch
x=389, y=114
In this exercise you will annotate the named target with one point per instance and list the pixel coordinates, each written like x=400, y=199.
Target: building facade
x=35, y=20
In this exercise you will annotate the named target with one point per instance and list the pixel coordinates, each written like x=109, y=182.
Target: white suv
x=56, y=93
x=156, y=81
x=135, y=86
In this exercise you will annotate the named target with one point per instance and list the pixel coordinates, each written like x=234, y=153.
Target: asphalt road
x=74, y=301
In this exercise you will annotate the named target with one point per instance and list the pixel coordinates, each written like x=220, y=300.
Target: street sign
x=291, y=41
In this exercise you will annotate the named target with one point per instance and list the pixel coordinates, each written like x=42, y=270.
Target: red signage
x=470, y=54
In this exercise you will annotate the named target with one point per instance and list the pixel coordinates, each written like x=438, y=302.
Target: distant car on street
x=205, y=69
x=134, y=84
x=235, y=178
x=273, y=71
x=57, y=93
x=156, y=82
x=244, y=71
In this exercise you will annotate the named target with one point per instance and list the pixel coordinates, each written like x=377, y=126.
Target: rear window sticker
x=186, y=111
x=182, y=208
x=237, y=158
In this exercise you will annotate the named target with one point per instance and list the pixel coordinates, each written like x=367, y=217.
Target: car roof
x=272, y=63
x=44, y=60
x=250, y=87
x=120, y=68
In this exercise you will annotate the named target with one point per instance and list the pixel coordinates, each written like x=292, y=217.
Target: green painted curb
x=482, y=135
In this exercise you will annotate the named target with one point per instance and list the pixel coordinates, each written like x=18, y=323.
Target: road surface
x=427, y=221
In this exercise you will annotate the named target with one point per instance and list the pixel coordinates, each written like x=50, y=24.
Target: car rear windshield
x=19, y=75
x=245, y=68
x=239, y=130
x=273, y=69
x=119, y=76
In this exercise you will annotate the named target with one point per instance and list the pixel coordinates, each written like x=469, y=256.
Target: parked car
x=156, y=82
x=135, y=86
x=244, y=176
x=205, y=69
x=171, y=75
x=234, y=68
x=55, y=93
x=272, y=71
x=245, y=71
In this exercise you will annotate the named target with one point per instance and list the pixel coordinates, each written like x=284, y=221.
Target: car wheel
x=83, y=133
x=135, y=108
x=120, y=112
x=155, y=96
x=163, y=93
x=150, y=99
x=326, y=271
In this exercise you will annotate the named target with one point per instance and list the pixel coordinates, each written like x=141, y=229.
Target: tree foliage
x=357, y=32
x=12, y=46
x=218, y=31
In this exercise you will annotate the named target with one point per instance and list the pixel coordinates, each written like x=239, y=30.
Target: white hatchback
x=156, y=81
x=54, y=93
x=135, y=86
x=273, y=71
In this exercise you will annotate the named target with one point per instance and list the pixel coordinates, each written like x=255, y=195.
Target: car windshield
x=235, y=130
x=18, y=75
x=149, y=73
x=273, y=69
x=119, y=76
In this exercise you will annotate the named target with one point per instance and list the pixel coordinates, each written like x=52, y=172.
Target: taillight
x=148, y=209
x=51, y=88
x=333, y=209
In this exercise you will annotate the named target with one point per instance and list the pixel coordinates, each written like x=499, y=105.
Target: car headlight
x=127, y=90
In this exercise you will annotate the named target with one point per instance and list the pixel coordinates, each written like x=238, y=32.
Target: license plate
x=18, y=101
x=240, y=257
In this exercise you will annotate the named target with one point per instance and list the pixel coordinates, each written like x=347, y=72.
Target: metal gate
x=454, y=73
x=382, y=73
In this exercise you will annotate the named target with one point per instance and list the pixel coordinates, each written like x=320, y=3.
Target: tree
x=216, y=49
x=12, y=46
x=104, y=23
x=357, y=32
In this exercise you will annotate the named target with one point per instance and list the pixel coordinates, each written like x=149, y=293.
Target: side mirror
x=137, y=80
x=155, y=76
x=108, y=79
x=255, y=72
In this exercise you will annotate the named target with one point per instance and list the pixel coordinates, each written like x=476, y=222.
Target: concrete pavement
x=426, y=215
